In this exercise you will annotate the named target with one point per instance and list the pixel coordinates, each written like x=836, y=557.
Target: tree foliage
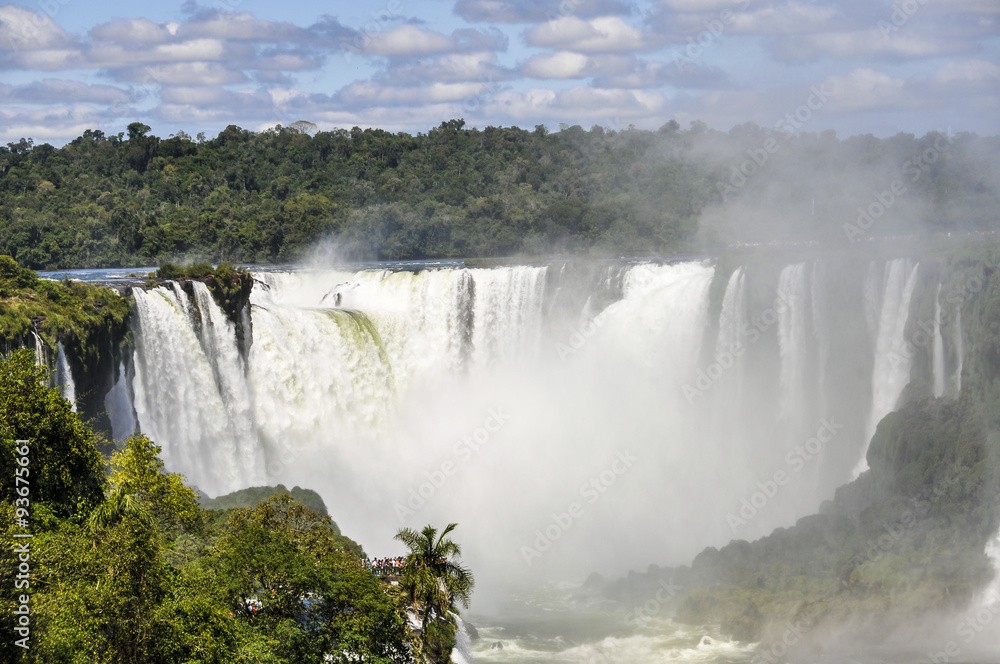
x=435, y=583
x=142, y=574
x=458, y=191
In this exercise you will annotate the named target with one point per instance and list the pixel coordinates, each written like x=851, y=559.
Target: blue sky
x=854, y=66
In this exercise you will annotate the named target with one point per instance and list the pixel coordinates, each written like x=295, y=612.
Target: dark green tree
x=435, y=583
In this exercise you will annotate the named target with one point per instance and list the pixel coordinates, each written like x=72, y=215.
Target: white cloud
x=375, y=94
x=535, y=11
x=243, y=27
x=138, y=31
x=563, y=64
x=579, y=103
x=864, y=89
x=406, y=40
x=696, y=6
x=183, y=73
x=49, y=91
x=786, y=18
x=25, y=30
x=480, y=66
x=968, y=71
x=603, y=34
x=869, y=43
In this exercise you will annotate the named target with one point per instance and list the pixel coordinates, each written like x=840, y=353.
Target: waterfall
x=792, y=341
x=937, y=352
x=893, y=354
x=462, y=653
x=41, y=356
x=64, y=376
x=507, y=313
x=730, y=344
x=959, y=351
x=821, y=332
x=408, y=398
x=732, y=316
x=178, y=402
x=119, y=406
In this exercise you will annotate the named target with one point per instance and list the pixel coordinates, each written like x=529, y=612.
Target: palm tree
x=432, y=580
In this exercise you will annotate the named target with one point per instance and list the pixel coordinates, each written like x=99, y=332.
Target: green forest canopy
x=136, y=199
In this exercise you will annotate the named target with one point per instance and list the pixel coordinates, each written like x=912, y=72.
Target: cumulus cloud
x=478, y=66
x=603, y=34
x=182, y=73
x=50, y=91
x=410, y=41
x=864, y=89
x=241, y=26
x=24, y=30
x=579, y=102
x=370, y=93
x=535, y=11
x=621, y=71
x=869, y=43
x=135, y=31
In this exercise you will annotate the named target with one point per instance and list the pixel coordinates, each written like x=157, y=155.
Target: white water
x=937, y=351
x=380, y=389
x=64, y=376
x=178, y=402
x=119, y=407
x=959, y=350
x=893, y=356
x=730, y=344
x=792, y=289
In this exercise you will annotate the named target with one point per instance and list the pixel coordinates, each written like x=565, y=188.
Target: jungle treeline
x=134, y=199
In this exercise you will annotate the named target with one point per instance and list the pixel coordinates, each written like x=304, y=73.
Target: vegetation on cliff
x=85, y=318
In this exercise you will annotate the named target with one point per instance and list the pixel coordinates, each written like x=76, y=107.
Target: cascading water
x=891, y=372
x=64, y=376
x=732, y=320
x=173, y=375
x=937, y=351
x=411, y=398
x=792, y=290
x=118, y=405
x=959, y=351
x=821, y=332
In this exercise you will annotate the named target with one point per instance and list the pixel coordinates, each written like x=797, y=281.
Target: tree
x=282, y=569
x=64, y=463
x=435, y=583
x=137, y=470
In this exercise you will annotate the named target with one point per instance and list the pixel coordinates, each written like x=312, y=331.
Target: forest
x=135, y=199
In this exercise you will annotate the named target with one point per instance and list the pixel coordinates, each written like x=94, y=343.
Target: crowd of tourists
x=385, y=566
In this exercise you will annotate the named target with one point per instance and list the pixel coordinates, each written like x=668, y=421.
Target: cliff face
x=906, y=540
x=91, y=324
